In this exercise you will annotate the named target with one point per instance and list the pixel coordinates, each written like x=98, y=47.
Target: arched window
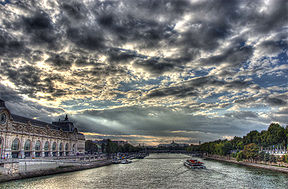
x=67, y=147
x=46, y=146
x=38, y=145
x=15, y=144
x=27, y=146
x=74, y=148
x=54, y=146
x=61, y=147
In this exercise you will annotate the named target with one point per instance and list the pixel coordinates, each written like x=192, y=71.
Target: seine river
x=159, y=171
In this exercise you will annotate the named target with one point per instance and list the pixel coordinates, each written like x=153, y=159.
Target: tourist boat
x=125, y=161
x=116, y=161
x=194, y=164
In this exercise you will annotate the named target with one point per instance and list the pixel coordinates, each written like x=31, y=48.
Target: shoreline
x=248, y=164
x=53, y=171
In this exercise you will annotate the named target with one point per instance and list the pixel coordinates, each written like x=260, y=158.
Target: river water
x=159, y=171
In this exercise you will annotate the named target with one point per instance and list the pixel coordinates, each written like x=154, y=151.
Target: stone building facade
x=22, y=137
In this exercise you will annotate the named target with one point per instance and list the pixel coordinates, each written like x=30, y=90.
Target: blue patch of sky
x=213, y=98
x=220, y=111
x=196, y=73
x=136, y=85
x=120, y=95
x=4, y=2
x=279, y=78
x=269, y=80
x=254, y=108
x=259, y=108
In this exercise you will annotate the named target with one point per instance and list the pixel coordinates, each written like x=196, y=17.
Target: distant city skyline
x=147, y=71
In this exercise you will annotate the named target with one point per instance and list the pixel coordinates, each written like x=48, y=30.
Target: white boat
x=125, y=161
x=116, y=161
x=194, y=164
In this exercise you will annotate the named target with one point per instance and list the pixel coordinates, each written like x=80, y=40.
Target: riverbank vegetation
x=110, y=147
x=267, y=146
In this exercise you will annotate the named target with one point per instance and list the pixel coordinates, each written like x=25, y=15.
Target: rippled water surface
x=160, y=171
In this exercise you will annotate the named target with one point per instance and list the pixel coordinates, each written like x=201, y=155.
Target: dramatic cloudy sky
x=147, y=71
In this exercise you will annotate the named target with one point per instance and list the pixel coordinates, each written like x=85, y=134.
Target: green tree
x=266, y=157
x=250, y=151
x=90, y=147
x=111, y=147
x=261, y=156
x=285, y=158
x=252, y=137
x=276, y=134
x=273, y=159
x=227, y=147
x=239, y=156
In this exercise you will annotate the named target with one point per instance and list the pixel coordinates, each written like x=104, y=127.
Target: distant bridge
x=172, y=151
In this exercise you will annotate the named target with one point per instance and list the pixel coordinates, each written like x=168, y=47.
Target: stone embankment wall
x=280, y=163
x=21, y=170
x=272, y=167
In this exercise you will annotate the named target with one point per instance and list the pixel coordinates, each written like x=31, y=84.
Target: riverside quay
x=21, y=137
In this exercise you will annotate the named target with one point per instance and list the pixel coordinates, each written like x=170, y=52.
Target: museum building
x=21, y=137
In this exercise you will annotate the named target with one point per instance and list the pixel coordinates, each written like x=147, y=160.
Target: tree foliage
x=90, y=147
x=249, y=145
x=251, y=151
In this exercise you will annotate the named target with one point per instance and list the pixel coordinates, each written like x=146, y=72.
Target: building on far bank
x=120, y=142
x=173, y=145
x=21, y=137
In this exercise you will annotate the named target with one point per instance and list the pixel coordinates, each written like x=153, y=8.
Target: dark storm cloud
x=23, y=76
x=155, y=65
x=122, y=56
x=31, y=80
x=279, y=100
x=234, y=56
x=10, y=46
x=8, y=94
x=280, y=116
x=101, y=70
x=154, y=7
x=41, y=30
x=148, y=33
x=275, y=101
x=275, y=19
x=60, y=61
x=87, y=38
x=245, y=100
x=274, y=46
x=195, y=87
x=137, y=21
x=205, y=37
x=242, y=115
x=74, y=9
x=148, y=23
x=207, y=31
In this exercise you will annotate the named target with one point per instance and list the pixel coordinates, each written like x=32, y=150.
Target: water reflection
x=160, y=171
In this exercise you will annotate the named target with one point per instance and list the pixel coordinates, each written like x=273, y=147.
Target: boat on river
x=194, y=164
x=116, y=161
x=125, y=161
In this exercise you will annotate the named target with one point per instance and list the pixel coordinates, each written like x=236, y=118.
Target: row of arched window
x=37, y=148
x=27, y=146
